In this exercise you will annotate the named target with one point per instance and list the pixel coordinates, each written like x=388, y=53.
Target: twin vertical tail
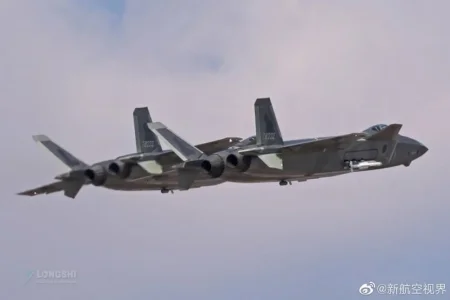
x=72, y=182
x=146, y=140
x=267, y=129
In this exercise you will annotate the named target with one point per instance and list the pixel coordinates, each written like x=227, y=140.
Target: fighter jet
x=266, y=157
x=127, y=172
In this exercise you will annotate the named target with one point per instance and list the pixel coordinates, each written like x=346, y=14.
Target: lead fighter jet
x=267, y=157
x=127, y=172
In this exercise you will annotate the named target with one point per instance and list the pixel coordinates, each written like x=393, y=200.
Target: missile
x=365, y=165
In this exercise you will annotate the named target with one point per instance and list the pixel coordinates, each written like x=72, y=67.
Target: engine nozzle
x=96, y=174
x=239, y=162
x=214, y=166
x=120, y=169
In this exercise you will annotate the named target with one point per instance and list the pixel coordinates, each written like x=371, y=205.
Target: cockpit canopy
x=375, y=128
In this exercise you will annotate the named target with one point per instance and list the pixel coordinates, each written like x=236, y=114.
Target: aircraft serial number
x=148, y=144
x=269, y=135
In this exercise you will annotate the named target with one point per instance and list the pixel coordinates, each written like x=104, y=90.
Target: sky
x=75, y=70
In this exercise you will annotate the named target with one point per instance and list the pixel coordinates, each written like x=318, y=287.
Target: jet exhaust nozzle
x=120, y=169
x=97, y=175
x=239, y=162
x=214, y=166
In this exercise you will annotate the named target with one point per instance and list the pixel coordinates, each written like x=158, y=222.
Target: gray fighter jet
x=267, y=157
x=127, y=172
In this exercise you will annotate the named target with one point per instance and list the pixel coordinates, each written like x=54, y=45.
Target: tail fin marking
x=267, y=129
x=146, y=140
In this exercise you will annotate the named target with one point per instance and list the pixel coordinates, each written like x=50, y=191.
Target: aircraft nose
x=423, y=149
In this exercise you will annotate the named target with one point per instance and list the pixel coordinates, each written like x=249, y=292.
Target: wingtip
x=26, y=193
x=40, y=138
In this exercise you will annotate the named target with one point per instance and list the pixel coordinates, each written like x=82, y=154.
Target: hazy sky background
x=74, y=70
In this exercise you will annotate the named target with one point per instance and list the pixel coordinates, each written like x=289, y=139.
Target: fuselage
x=296, y=166
x=332, y=163
x=140, y=180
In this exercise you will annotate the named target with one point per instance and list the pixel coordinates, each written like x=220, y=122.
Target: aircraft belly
x=167, y=180
x=255, y=178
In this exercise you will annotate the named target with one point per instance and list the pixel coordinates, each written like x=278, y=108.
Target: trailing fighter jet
x=267, y=157
x=127, y=172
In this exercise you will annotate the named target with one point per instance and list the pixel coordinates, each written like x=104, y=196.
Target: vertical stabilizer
x=146, y=140
x=267, y=130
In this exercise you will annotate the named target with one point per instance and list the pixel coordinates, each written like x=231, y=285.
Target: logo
x=367, y=288
x=52, y=276
x=29, y=276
